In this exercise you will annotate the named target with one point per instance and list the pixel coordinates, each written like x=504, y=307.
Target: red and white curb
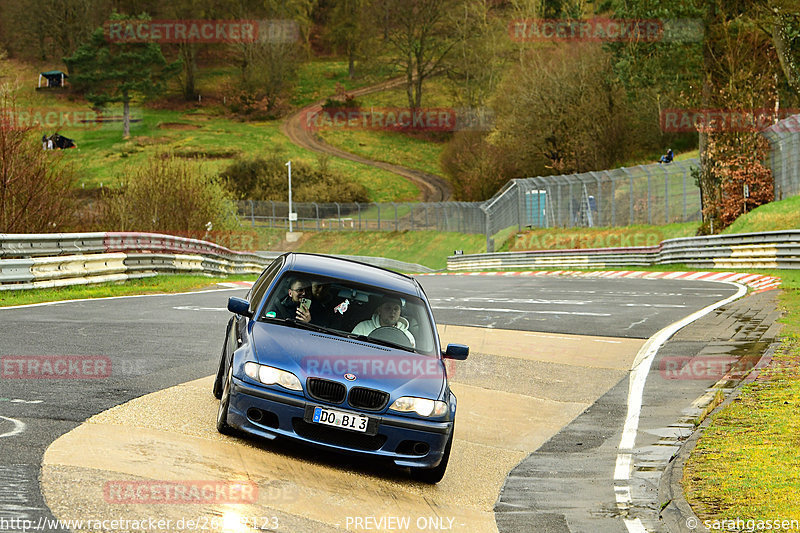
x=757, y=282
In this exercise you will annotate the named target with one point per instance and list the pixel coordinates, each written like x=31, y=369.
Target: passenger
x=387, y=314
x=323, y=305
x=289, y=306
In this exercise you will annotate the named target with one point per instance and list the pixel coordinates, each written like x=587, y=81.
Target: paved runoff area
x=516, y=391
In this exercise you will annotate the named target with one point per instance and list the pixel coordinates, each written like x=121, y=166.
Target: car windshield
x=350, y=309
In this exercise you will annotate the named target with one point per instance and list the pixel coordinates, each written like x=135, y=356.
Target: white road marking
x=540, y=335
x=638, y=376
x=522, y=311
x=198, y=308
x=19, y=427
x=17, y=400
x=512, y=300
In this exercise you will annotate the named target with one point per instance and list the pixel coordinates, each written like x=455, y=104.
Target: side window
x=261, y=284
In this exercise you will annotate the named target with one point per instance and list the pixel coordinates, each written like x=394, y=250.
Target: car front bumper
x=270, y=413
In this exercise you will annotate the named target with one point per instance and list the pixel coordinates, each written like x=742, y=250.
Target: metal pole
x=684, y=192
x=289, y=164
x=252, y=215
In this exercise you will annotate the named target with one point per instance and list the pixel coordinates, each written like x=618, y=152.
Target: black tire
x=434, y=475
x=218, y=380
x=224, y=404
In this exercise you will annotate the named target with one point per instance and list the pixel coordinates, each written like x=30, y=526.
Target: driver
x=387, y=314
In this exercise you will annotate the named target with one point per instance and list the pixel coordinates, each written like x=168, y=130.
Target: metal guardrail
x=773, y=249
x=60, y=259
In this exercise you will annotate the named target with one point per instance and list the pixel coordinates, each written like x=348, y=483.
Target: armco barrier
x=773, y=249
x=59, y=259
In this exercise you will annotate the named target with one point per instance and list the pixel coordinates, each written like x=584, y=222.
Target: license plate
x=329, y=417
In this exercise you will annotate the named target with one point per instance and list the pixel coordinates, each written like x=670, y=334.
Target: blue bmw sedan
x=340, y=355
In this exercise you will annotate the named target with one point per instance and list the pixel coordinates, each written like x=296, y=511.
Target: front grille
x=371, y=399
x=326, y=390
x=337, y=437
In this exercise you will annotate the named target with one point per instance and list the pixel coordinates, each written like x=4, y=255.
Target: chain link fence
x=645, y=194
x=460, y=217
x=784, y=159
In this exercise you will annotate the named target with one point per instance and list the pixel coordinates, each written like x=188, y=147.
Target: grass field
x=203, y=132
x=746, y=463
x=154, y=285
x=419, y=151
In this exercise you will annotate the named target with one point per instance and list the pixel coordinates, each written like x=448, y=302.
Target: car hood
x=314, y=354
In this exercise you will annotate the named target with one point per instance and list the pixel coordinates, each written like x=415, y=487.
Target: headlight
x=272, y=376
x=421, y=406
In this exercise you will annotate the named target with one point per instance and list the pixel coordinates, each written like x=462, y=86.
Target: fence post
x=338, y=214
x=358, y=207
x=396, y=222
x=487, y=229
x=252, y=215
x=683, y=167
x=613, y=202
x=272, y=221
x=379, y=216
x=666, y=195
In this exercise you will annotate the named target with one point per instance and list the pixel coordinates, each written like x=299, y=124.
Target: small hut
x=54, y=79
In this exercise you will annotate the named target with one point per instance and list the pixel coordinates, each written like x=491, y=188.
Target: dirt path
x=433, y=188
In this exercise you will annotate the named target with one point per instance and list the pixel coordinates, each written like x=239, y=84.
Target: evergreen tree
x=118, y=72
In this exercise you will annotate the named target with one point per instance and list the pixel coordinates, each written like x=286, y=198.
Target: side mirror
x=239, y=306
x=459, y=352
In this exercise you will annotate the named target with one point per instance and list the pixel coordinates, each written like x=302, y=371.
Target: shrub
x=267, y=179
x=35, y=184
x=476, y=168
x=170, y=195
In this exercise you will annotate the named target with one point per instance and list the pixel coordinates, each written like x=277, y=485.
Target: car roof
x=338, y=267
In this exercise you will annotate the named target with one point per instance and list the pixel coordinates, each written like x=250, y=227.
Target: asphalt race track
x=544, y=349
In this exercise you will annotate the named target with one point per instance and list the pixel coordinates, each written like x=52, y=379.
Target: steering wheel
x=390, y=334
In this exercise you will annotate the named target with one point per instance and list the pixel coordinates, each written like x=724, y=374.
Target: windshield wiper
x=298, y=324
x=382, y=342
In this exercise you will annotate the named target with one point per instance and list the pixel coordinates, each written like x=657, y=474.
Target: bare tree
x=419, y=35
x=35, y=184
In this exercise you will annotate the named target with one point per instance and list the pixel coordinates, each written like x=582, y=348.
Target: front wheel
x=434, y=475
x=218, y=379
x=224, y=404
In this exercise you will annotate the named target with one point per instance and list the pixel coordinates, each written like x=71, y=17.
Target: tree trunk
x=126, y=116
x=410, y=84
x=779, y=40
x=188, y=53
x=351, y=62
